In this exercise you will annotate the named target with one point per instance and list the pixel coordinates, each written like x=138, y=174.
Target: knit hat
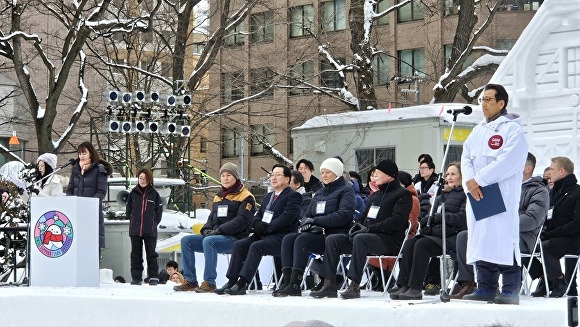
x=334, y=165
x=48, y=158
x=388, y=167
x=230, y=168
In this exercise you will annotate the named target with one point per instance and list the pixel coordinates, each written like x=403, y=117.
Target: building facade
x=274, y=57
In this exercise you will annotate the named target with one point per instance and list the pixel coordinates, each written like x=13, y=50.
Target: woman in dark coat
x=144, y=209
x=418, y=250
x=89, y=179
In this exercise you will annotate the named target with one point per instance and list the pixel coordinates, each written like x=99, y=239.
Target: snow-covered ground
x=126, y=305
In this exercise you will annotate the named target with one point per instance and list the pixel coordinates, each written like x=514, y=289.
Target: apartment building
x=278, y=44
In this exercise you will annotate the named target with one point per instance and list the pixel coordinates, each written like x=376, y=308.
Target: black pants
x=554, y=250
x=361, y=246
x=137, y=257
x=248, y=252
x=415, y=262
x=297, y=247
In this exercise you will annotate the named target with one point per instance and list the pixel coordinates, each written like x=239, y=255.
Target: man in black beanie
x=381, y=231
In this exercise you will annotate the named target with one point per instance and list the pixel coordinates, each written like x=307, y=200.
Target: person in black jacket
x=311, y=183
x=561, y=234
x=144, y=210
x=418, y=250
x=297, y=184
x=230, y=220
x=330, y=212
x=277, y=217
x=89, y=179
x=381, y=231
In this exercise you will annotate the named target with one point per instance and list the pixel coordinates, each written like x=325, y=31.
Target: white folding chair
x=341, y=269
x=537, y=252
x=380, y=257
x=577, y=257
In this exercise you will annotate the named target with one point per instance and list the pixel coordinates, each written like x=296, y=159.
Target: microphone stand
x=439, y=191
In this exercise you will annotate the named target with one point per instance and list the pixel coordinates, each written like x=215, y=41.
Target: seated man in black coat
x=380, y=232
x=277, y=217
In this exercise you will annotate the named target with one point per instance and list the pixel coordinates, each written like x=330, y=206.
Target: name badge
x=320, y=207
x=550, y=214
x=373, y=211
x=222, y=210
x=267, y=217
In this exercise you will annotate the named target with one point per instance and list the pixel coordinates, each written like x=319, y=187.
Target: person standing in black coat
x=330, y=212
x=144, y=209
x=380, y=232
x=89, y=179
x=418, y=250
x=277, y=217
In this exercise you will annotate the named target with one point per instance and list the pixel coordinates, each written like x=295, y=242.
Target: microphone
x=465, y=110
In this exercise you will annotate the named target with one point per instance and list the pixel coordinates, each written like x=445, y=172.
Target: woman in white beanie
x=51, y=186
x=330, y=212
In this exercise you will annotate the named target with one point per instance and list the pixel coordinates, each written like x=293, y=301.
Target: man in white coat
x=495, y=152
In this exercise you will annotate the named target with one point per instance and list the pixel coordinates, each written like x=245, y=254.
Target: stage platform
x=128, y=305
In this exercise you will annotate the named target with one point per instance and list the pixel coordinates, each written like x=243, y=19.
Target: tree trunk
x=362, y=53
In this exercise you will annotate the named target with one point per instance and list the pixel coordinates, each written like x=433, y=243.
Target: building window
x=505, y=44
x=368, y=158
x=301, y=73
x=232, y=86
x=451, y=7
x=468, y=62
x=231, y=139
x=261, y=79
x=411, y=63
x=381, y=6
x=262, y=27
x=454, y=155
x=236, y=37
x=260, y=134
x=411, y=11
x=117, y=63
x=147, y=37
x=166, y=69
x=329, y=76
x=144, y=65
x=301, y=20
x=381, y=69
x=198, y=48
x=333, y=15
x=202, y=144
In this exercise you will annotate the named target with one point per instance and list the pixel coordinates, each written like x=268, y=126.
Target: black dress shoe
x=560, y=286
x=221, y=290
x=236, y=290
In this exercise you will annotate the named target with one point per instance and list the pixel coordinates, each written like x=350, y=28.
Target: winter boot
x=480, y=295
x=352, y=292
x=540, y=289
x=466, y=288
x=559, y=288
x=327, y=290
x=318, y=286
x=294, y=287
x=411, y=294
x=396, y=291
x=507, y=297
x=286, y=273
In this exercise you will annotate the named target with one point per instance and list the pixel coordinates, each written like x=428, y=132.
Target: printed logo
x=53, y=234
x=495, y=142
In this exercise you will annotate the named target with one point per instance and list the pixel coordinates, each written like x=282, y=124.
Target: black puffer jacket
x=565, y=199
x=392, y=220
x=455, y=217
x=144, y=209
x=91, y=184
x=241, y=207
x=338, y=210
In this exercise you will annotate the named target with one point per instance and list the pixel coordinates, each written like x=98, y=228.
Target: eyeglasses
x=486, y=100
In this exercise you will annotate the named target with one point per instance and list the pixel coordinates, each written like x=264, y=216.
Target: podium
x=64, y=241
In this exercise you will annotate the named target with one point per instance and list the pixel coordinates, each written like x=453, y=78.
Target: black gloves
x=358, y=228
x=210, y=232
x=35, y=190
x=306, y=221
x=259, y=228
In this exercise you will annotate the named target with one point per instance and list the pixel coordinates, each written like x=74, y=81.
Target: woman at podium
x=89, y=179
